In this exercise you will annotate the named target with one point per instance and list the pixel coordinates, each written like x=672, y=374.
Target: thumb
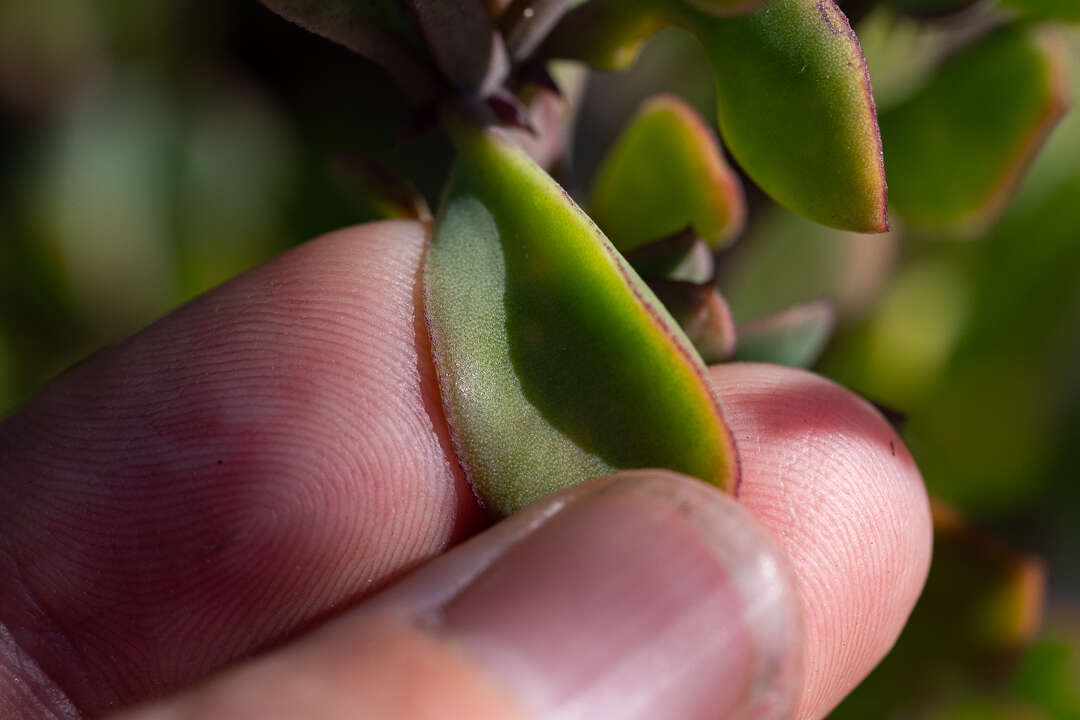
x=640, y=595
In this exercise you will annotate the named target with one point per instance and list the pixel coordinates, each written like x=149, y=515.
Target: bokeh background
x=152, y=149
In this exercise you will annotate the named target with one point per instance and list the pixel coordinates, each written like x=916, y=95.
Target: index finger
x=249, y=464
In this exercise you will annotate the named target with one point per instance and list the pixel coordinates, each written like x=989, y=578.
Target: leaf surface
x=555, y=362
x=797, y=111
x=958, y=148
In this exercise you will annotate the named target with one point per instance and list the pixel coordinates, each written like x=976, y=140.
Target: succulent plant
x=572, y=342
x=570, y=338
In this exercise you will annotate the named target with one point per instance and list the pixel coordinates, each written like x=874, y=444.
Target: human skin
x=270, y=456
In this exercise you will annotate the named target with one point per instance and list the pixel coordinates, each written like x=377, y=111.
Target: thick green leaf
x=665, y=173
x=795, y=337
x=682, y=256
x=958, y=148
x=556, y=363
x=702, y=313
x=380, y=30
x=795, y=104
x=796, y=110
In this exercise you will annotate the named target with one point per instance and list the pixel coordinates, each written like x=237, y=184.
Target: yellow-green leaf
x=664, y=173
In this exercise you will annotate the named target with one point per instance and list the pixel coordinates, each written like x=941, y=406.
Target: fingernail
x=646, y=596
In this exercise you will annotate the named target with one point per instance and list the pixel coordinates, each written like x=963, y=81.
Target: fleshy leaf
x=555, y=362
x=666, y=172
x=682, y=256
x=702, y=313
x=958, y=148
x=380, y=30
x=795, y=104
x=787, y=260
x=795, y=337
x=796, y=110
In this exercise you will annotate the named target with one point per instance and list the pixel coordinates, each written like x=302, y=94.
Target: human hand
x=183, y=511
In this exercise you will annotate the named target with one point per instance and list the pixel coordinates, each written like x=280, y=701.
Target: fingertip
x=836, y=485
x=644, y=594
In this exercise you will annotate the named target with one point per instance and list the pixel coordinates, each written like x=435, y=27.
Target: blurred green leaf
x=555, y=361
x=1049, y=676
x=795, y=337
x=901, y=52
x=956, y=150
x=666, y=172
x=238, y=159
x=100, y=200
x=899, y=354
x=788, y=260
